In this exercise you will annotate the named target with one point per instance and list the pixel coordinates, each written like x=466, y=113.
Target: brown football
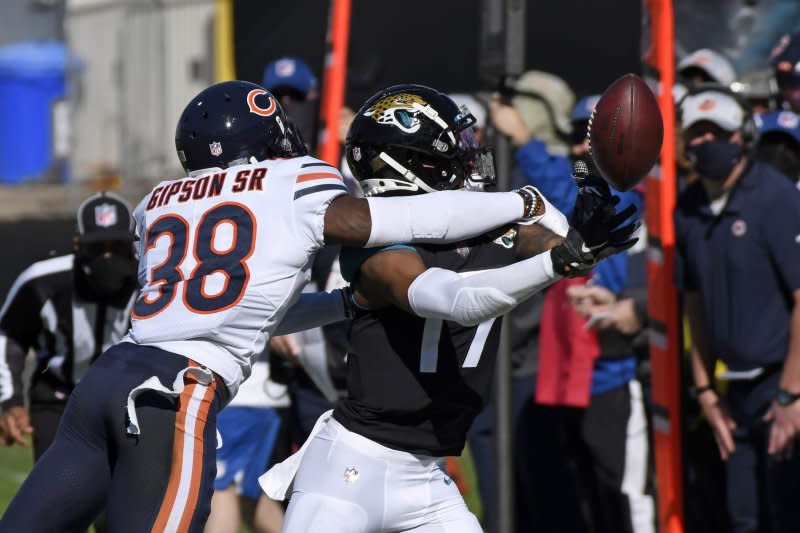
x=625, y=132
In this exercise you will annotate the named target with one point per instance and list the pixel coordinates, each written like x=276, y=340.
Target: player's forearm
x=790, y=379
x=471, y=298
x=313, y=309
x=447, y=216
x=535, y=239
x=12, y=364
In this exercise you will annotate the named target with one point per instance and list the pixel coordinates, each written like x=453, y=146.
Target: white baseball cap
x=712, y=63
x=714, y=106
x=553, y=90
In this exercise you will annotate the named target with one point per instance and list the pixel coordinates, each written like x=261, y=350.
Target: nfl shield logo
x=351, y=475
x=216, y=148
x=285, y=68
x=787, y=120
x=105, y=215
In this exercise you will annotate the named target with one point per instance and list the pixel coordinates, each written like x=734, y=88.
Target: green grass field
x=15, y=463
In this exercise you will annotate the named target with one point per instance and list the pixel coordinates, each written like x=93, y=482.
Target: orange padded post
x=665, y=339
x=334, y=77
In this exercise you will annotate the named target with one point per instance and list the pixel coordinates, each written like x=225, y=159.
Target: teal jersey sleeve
x=351, y=259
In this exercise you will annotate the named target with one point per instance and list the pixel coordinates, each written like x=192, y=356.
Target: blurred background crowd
x=90, y=91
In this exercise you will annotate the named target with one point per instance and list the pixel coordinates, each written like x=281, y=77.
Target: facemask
x=781, y=158
x=714, y=159
x=106, y=277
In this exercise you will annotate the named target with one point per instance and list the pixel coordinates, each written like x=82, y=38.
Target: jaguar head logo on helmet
x=411, y=139
x=401, y=111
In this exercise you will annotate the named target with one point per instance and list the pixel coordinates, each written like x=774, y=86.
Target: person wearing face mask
x=293, y=83
x=69, y=309
x=737, y=231
x=778, y=143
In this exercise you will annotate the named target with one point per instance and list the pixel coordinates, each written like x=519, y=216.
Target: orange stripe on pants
x=197, y=461
x=177, y=460
x=196, y=431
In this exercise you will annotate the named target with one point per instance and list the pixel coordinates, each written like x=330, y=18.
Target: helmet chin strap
x=403, y=171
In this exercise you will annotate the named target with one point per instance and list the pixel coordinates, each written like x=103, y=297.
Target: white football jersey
x=224, y=253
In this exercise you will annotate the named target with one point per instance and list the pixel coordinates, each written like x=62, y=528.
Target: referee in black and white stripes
x=69, y=309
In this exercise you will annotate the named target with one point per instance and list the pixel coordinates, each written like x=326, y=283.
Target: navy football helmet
x=231, y=123
x=411, y=139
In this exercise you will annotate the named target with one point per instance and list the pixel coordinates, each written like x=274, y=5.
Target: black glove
x=572, y=258
x=593, y=233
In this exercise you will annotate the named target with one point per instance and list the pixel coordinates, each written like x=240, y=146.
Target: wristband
x=530, y=199
x=785, y=397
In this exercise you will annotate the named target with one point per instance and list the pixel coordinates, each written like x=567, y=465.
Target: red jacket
x=566, y=350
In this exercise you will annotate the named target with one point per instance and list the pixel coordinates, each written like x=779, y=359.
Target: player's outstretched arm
x=399, y=278
x=314, y=309
x=447, y=216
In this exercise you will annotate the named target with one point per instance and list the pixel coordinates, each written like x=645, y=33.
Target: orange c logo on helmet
x=254, y=108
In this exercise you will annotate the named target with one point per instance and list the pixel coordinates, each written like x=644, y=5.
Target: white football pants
x=347, y=483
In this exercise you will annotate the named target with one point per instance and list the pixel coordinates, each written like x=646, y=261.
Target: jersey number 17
x=432, y=332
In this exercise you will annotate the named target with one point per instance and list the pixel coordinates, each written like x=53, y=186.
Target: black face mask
x=781, y=158
x=303, y=114
x=714, y=159
x=106, y=279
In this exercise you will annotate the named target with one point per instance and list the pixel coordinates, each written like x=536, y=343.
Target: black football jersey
x=417, y=384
